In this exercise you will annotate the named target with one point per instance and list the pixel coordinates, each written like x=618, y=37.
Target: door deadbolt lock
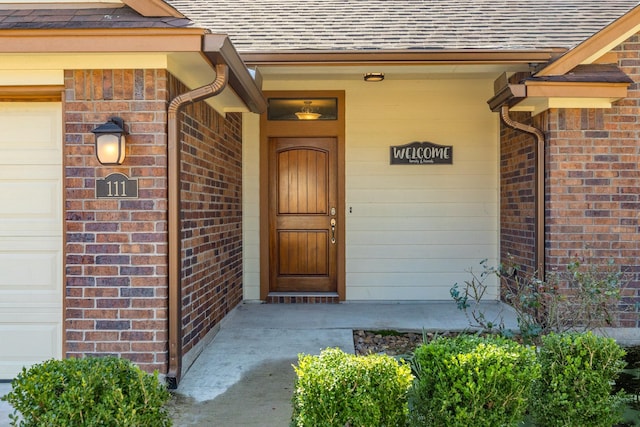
x=333, y=211
x=333, y=230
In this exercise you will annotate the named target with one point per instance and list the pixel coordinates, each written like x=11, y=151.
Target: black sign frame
x=421, y=153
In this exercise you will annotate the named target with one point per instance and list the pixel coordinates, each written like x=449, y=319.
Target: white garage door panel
x=31, y=263
x=34, y=198
x=27, y=271
x=30, y=133
x=30, y=207
x=45, y=338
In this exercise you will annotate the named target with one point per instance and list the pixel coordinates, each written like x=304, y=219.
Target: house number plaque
x=116, y=186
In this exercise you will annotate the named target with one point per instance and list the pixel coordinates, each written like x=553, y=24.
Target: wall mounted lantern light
x=374, y=77
x=110, y=148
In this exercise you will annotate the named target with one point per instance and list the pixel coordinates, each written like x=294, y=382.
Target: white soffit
x=66, y=61
x=392, y=72
x=191, y=68
x=194, y=71
x=535, y=105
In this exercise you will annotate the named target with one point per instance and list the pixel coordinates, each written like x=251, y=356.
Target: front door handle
x=333, y=230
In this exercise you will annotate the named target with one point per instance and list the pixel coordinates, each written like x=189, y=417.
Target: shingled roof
x=67, y=18
x=363, y=25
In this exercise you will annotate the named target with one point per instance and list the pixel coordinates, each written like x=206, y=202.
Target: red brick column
x=116, y=249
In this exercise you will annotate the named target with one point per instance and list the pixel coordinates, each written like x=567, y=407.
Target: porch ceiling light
x=110, y=145
x=374, y=77
x=307, y=112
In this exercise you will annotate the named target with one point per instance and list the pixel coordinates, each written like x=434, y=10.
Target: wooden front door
x=303, y=207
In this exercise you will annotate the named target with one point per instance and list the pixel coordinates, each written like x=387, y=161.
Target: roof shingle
x=122, y=17
x=294, y=25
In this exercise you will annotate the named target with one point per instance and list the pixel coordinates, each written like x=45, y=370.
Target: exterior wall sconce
x=110, y=145
x=374, y=77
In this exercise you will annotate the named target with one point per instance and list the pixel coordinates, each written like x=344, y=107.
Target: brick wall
x=116, y=250
x=211, y=205
x=594, y=173
x=592, y=185
x=517, y=195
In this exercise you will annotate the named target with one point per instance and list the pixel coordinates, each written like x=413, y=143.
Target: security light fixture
x=110, y=145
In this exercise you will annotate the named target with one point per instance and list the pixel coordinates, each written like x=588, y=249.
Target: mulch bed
x=393, y=343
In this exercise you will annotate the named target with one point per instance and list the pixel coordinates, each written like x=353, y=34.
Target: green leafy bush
x=579, y=297
x=471, y=381
x=469, y=298
x=105, y=391
x=339, y=389
x=575, y=388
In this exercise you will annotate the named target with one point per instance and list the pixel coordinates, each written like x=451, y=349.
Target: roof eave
x=100, y=40
x=509, y=95
x=595, y=46
x=586, y=90
x=436, y=56
x=537, y=96
x=219, y=49
x=153, y=8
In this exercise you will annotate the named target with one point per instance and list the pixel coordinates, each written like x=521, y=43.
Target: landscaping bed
x=393, y=343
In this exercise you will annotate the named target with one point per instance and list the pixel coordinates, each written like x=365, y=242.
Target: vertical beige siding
x=251, y=205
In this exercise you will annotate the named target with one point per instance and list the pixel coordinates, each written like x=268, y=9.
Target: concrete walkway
x=245, y=376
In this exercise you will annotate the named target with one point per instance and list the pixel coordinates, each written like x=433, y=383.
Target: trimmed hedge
x=105, y=391
x=339, y=389
x=463, y=381
x=471, y=381
x=575, y=389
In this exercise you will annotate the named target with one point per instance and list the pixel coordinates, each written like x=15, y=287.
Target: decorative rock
x=392, y=343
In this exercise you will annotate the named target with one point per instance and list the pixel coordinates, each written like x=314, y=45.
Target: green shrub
x=580, y=297
x=105, y=391
x=575, y=388
x=471, y=381
x=339, y=389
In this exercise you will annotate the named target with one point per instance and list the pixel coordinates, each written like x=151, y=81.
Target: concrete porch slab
x=236, y=351
x=409, y=316
x=245, y=375
x=5, y=408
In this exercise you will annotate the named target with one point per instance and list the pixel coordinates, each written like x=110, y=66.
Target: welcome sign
x=422, y=153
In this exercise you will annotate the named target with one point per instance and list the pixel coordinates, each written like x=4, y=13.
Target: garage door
x=30, y=234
